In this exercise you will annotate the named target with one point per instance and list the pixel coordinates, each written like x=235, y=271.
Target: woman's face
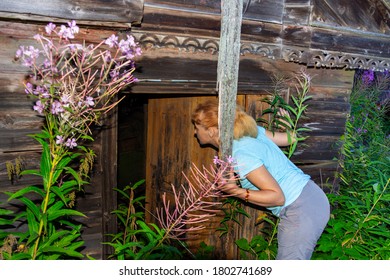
x=202, y=134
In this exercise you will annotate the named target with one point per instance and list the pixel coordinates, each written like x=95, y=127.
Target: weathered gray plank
x=227, y=72
x=128, y=11
x=362, y=15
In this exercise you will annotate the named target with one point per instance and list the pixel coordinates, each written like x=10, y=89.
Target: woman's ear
x=212, y=131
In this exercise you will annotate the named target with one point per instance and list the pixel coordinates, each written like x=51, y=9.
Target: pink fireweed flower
x=368, y=77
x=56, y=108
x=46, y=64
x=27, y=54
x=66, y=99
x=45, y=92
x=41, y=91
x=89, y=101
x=60, y=140
x=111, y=41
x=71, y=143
x=39, y=107
x=230, y=159
x=50, y=28
x=130, y=40
x=107, y=57
x=114, y=74
x=75, y=47
x=31, y=52
x=138, y=51
x=73, y=27
x=66, y=32
x=29, y=88
x=218, y=161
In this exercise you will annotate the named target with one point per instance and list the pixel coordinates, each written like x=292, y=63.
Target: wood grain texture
x=127, y=11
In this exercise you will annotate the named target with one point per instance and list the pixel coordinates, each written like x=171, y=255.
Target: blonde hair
x=206, y=114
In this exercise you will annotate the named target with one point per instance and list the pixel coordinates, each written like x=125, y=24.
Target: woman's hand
x=229, y=184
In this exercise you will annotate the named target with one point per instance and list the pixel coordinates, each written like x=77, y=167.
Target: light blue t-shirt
x=251, y=153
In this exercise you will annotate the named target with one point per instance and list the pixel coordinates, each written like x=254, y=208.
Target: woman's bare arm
x=268, y=194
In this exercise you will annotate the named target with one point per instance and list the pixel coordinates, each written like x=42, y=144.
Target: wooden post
x=227, y=72
x=227, y=80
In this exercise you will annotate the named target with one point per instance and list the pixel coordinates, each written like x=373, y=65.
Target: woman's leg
x=302, y=223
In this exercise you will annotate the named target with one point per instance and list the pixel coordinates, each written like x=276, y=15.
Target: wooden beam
x=88, y=11
x=227, y=71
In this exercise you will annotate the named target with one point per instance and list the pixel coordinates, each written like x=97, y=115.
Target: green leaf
x=31, y=205
x=62, y=251
x=56, y=206
x=146, y=229
x=31, y=172
x=26, y=190
x=75, y=175
x=53, y=238
x=69, y=238
x=4, y=222
x=243, y=244
x=33, y=225
x=63, y=212
x=68, y=186
x=21, y=256
x=6, y=212
x=124, y=194
x=76, y=245
x=58, y=191
x=45, y=161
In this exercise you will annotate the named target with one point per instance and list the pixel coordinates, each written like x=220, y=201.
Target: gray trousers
x=302, y=223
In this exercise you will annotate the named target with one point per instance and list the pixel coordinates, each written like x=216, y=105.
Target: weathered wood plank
x=171, y=150
x=359, y=43
x=83, y=10
x=363, y=15
x=227, y=72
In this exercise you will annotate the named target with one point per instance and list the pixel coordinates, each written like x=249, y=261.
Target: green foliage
x=262, y=246
x=359, y=226
x=138, y=240
x=232, y=209
x=45, y=209
x=291, y=121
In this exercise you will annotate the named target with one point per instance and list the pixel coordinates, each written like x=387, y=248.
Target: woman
x=269, y=179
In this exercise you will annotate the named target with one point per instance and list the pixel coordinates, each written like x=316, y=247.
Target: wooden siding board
x=195, y=6
x=351, y=42
x=266, y=10
x=297, y=2
x=180, y=22
x=95, y=10
x=296, y=35
x=362, y=15
x=297, y=15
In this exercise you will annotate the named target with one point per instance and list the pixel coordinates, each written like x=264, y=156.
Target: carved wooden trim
x=189, y=44
x=318, y=58
x=314, y=58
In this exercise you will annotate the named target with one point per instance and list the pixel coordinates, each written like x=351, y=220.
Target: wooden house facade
x=150, y=134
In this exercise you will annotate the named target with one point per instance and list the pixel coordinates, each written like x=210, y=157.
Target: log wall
x=178, y=69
